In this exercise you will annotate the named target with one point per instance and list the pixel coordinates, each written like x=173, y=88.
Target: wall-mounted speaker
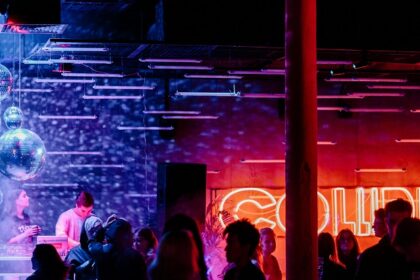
x=181, y=188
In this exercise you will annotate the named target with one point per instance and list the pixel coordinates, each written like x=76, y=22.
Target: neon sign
x=339, y=208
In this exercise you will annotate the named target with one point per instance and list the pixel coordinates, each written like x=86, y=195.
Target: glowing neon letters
x=338, y=208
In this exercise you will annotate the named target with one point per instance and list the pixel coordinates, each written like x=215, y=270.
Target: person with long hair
x=329, y=268
x=176, y=258
x=145, y=242
x=348, y=251
x=184, y=222
x=16, y=227
x=47, y=264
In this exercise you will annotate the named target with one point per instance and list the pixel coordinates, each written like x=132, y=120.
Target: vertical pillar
x=301, y=140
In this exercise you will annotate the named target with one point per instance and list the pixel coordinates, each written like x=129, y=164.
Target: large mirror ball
x=22, y=154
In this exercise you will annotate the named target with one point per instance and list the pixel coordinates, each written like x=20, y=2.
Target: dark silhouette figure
x=183, y=222
x=382, y=261
x=47, y=264
x=241, y=242
x=176, y=258
x=79, y=258
x=329, y=269
x=379, y=224
x=115, y=258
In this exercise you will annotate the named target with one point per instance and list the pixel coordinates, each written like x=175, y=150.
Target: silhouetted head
x=379, y=224
x=395, y=211
x=84, y=204
x=326, y=246
x=176, y=258
x=407, y=239
x=46, y=260
x=242, y=241
x=180, y=222
x=119, y=234
x=91, y=226
x=145, y=240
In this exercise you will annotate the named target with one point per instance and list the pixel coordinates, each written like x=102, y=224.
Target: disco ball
x=6, y=82
x=22, y=154
x=13, y=117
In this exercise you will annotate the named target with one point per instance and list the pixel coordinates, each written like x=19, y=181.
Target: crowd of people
x=395, y=257
x=113, y=250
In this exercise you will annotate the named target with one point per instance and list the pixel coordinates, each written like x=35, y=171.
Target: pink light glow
x=235, y=77
x=190, y=117
x=377, y=94
x=84, y=153
x=171, y=112
x=379, y=170
x=366, y=80
x=111, y=97
x=145, y=128
x=123, y=87
x=263, y=161
x=394, y=87
x=407, y=140
x=170, y=60
x=334, y=62
x=268, y=72
x=180, y=67
x=67, y=117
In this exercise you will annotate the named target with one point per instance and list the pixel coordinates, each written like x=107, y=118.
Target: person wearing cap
x=79, y=258
x=115, y=258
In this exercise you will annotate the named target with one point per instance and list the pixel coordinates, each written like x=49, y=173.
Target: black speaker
x=181, y=189
x=34, y=12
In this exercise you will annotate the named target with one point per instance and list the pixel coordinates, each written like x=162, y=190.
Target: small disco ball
x=13, y=117
x=22, y=154
x=6, y=82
